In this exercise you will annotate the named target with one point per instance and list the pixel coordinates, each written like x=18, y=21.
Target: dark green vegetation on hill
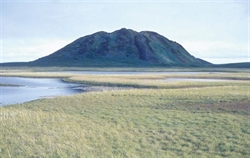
x=123, y=47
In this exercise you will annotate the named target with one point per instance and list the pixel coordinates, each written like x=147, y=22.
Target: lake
x=34, y=88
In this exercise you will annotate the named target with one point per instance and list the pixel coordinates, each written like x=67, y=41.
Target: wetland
x=154, y=118
x=16, y=90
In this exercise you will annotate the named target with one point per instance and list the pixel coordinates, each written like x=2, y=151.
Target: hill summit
x=123, y=47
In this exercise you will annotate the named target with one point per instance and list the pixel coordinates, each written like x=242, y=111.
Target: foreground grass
x=131, y=123
x=160, y=120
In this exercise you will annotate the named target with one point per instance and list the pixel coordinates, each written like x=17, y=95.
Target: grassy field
x=155, y=118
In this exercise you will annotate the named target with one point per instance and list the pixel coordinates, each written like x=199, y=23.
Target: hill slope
x=123, y=47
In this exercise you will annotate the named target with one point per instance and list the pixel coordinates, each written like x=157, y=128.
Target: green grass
x=158, y=119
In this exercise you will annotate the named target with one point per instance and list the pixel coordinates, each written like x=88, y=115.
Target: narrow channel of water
x=195, y=80
x=131, y=72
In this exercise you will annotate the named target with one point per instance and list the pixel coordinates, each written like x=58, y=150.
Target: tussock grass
x=181, y=119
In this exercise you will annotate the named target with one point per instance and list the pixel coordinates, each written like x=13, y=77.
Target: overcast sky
x=217, y=30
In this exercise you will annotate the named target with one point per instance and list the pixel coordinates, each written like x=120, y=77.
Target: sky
x=214, y=30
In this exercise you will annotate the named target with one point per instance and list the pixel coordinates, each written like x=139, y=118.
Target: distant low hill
x=123, y=47
x=233, y=65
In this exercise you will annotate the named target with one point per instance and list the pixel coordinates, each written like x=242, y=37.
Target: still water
x=33, y=88
x=130, y=72
x=195, y=80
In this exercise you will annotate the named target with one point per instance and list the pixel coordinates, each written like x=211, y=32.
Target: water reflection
x=33, y=88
